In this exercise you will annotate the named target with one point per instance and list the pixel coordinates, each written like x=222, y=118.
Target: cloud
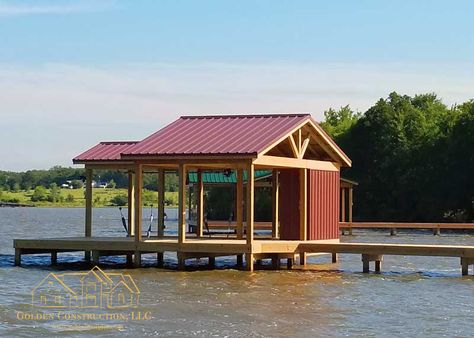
x=17, y=8
x=51, y=113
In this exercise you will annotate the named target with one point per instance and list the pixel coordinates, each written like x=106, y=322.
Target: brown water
x=414, y=296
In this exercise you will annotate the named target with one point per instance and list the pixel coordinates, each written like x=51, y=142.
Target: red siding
x=289, y=200
x=323, y=204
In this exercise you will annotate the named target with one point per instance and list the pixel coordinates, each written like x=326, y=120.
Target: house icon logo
x=92, y=289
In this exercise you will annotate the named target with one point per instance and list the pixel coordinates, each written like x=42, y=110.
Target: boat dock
x=394, y=226
x=276, y=250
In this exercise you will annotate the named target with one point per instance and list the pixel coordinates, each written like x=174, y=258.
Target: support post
x=17, y=257
x=367, y=258
x=275, y=204
x=138, y=213
x=200, y=205
x=212, y=262
x=239, y=210
x=240, y=260
x=88, y=220
x=95, y=257
x=54, y=258
x=289, y=263
x=334, y=257
x=437, y=231
x=343, y=204
x=131, y=203
x=465, y=262
x=250, y=204
x=161, y=203
x=159, y=259
x=249, y=261
x=182, y=204
x=393, y=231
x=351, y=203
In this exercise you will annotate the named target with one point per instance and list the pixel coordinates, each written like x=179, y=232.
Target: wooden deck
x=211, y=248
x=393, y=226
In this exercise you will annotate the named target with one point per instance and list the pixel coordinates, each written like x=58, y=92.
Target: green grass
x=100, y=197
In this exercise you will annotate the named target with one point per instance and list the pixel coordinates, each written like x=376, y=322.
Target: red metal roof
x=105, y=151
x=217, y=135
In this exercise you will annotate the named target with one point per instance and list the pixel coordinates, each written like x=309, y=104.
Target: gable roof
x=217, y=135
x=213, y=136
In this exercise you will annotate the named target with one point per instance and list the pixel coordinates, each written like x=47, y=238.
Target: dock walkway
x=211, y=248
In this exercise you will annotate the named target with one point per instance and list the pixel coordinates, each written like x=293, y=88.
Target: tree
x=70, y=198
x=40, y=194
x=119, y=200
x=54, y=193
x=337, y=122
x=77, y=184
x=111, y=184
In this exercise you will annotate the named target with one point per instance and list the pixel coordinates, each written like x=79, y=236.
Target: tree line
x=413, y=157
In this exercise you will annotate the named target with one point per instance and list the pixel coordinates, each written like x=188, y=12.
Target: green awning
x=218, y=177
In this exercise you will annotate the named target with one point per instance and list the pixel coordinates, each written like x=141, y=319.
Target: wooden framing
x=88, y=196
x=131, y=203
x=239, y=200
x=351, y=203
x=343, y=205
x=138, y=212
x=200, y=204
x=275, y=204
x=250, y=215
x=182, y=203
x=161, y=203
x=286, y=162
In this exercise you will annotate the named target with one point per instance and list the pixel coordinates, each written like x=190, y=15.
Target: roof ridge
x=244, y=115
x=115, y=142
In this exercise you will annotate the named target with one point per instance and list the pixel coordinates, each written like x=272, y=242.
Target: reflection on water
x=414, y=296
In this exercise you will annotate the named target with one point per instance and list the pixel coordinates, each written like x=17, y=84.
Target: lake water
x=413, y=296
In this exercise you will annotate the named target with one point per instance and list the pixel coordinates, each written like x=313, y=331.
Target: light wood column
x=275, y=204
x=250, y=216
x=161, y=203
x=88, y=216
x=88, y=196
x=343, y=204
x=239, y=200
x=351, y=203
x=182, y=204
x=131, y=203
x=200, y=205
x=138, y=212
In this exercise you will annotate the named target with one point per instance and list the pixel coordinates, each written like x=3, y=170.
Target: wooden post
x=159, y=259
x=200, y=204
x=275, y=204
x=88, y=220
x=54, y=258
x=250, y=216
x=161, y=203
x=182, y=204
x=95, y=257
x=240, y=260
x=17, y=257
x=334, y=257
x=350, y=209
x=343, y=204
x=212, y=262
x=131, y=203
x=138, y=213
x=250, y=204
x=239, y=204
x=289, y=263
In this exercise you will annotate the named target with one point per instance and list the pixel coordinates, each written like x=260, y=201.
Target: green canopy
x=218, y=177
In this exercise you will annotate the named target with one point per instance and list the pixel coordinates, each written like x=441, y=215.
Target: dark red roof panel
x=217, y=135
x=105, y=151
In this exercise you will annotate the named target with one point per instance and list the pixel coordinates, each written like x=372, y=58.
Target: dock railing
x=393, y=226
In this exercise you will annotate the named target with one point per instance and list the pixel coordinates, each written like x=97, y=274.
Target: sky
x=74, y=73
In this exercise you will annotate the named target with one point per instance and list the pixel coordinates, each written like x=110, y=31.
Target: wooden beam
x=250, y=204
x=182, y=203
x=294, y=148
x=161, y=203
x=286, y=162
x=303, y=204
x=131, y=203
x=299, y=141
x=343, y=205
x=200, y=204
x=275, y=204
x=88, y=196
x=351, y=202
x=138, y=202
x=239, y=201
x=303, y=148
